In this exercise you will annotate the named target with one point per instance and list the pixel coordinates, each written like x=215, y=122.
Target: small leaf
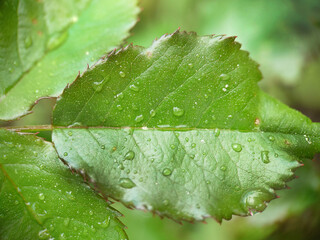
x=41, y=199
x=203, y=139
x=45, y=43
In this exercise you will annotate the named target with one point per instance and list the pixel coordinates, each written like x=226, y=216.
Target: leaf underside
x=182, y=129
x=45, y=43
x=40, y=198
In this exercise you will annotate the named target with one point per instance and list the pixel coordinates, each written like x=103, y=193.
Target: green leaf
x=45, y=43
x=40, y=198
x=182, y=129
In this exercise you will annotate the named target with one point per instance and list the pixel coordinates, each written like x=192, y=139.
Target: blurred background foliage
x=284, y=37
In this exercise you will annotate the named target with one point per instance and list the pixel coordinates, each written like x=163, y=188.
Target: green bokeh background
x=284, y=37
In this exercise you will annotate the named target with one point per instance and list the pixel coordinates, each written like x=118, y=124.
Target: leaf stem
x=33, y=128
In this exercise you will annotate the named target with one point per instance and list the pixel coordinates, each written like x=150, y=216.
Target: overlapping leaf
x=182, y=129
x=43, y=44
x=41, y=199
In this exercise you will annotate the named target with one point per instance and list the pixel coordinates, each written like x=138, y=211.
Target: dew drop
x=41, y=196
x=271, y=138
x=97, y=86
x=172, y=146
x=187, y=139
x=56, y=40
x=28, y=42
x=129, y=155
x=276, y=155
x=103, y=147
x=190, y=65
x=44, y=234
x=217, y=132
x=70, y=133
x=224, y=77
x=119, y=107
x=70, y=196
x=236, y=147
x=165, y=202
x=223, y=168
x=166, y=172
x=127, y=183
x=134, y=88
x=105, y=223
x=16, y=202
x=265, y=156
x=65, y=154
x=66, y=221
x=152, y=113
x=178, y=111
x=193, y=145
x=254, y=201
x=138, y=118
x=122, y=74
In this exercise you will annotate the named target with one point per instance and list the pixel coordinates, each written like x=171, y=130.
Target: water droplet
x=134, y=88
x=165, y=202
x=27, y=42
x=138, y=118
x=271, y=138
x=66, y=221
x=308, y=139
x=70, y=133
x=206, y=96
x=265, y=156
x=10, y=70
x=44, y=234
x=127, y=183
x=105, y=223
x=166, y=172
x=119, y=107
x=249, y=139
x=187, y=139
x=190, y=65
x=178, y=111
x=103, y=147
x=217, y=132
x=70, y=196
x=129, y=155
x=224, y=77
x=56, y=40
x=276, y=155
x=223, y=168
x=97, y=86
x=65, y=154
x=172, y=146
x=122, y=74
x=193, y=145
x=236, y=147
x=224, y=89
x=253, y=201
x=41, y=196
x=62, y=236
x=16, y=202
x=120, y=95
x=152, y=113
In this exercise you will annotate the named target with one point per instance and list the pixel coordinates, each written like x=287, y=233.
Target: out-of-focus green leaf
x=41, y=199
x=182, y=129
x=278, y=34
x=43, y=44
